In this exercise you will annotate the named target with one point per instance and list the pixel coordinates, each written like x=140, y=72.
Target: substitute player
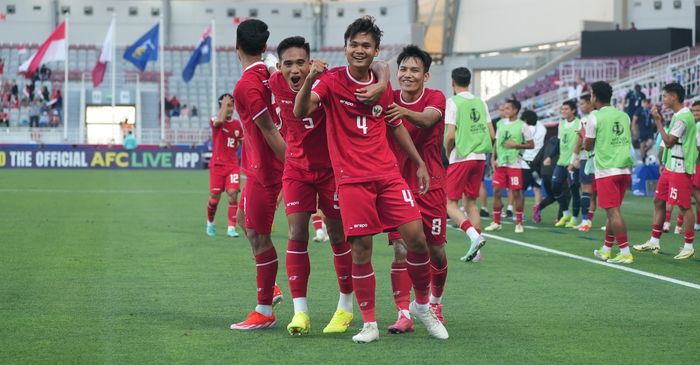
x=263, y=155
x=423, y=108
x=308, y=175
x=373, y=196
x=675, y=185
x=512, y=136
x=608, y=133
x=224, y=172
x=468, y=139
x=588, y=195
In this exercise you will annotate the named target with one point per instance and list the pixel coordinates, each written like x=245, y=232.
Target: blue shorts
x=562, y=175
x=584, y=178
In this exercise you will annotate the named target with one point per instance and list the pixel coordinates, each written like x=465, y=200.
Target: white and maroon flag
x=106, y=56
x=53, y=49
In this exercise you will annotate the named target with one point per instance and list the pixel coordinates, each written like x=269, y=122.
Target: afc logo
x=617, y=128
x=506, y=136
x=565, y=139
x=474, y=115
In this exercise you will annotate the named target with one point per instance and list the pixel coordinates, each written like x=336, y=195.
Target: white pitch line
x=102, y=191
x=597, y=262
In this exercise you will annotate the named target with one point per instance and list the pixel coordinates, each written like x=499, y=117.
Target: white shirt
x=451, y=118
x=678, y=131
x=539, y=131
x=527, y=136
x=584, y=121
x=601, y=173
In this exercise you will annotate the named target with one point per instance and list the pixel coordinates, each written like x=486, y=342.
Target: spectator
x=14, y=93
x=194, y=111
x=44, y=119
x=185, y=112
x=57, y=101
x=34, y=113
x=4, y=117
x=44, y=73
x=2, y=66
x=633, y=26
x=45, y=95
x=55, y=119
x=130, y=142
x=633, y=100
x=643, y=129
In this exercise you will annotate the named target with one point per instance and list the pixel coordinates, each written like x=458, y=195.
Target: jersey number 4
x=362, y=123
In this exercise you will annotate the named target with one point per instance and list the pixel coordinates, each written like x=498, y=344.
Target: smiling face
x=696, y=112
x=412, y=75
x=360, y=50
x=566, y=112
x=295, y=66
x=509, y=111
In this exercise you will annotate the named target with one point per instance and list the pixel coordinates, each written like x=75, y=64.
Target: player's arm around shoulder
x=307, y=102
x=406, y=143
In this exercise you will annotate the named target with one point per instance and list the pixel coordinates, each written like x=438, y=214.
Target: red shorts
x=301, y=187
x=372, y=207
x=224, y=178
x=465, y=178
x=611, y=190
x=507, y=177
x=433, y=210
x=675, y=188
x=696, y=177
x=259, y=204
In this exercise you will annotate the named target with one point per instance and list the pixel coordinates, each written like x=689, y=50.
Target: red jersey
x=252, y=97
x=356, y=132
x=428, y=141
x=307, y=146
x=226, y=138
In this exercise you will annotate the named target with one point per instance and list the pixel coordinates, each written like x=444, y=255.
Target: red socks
x=689, y=237
x=622, y=241
x=518, y=217
x=266, y=272
x=438, y=273
x=668, y=216
x=211, y=209
x=656, y=231
x=497, y=216
x=418, y=265
x=232, y=210
x=298, y=268
x=317, y=221
x=401, y=285
x=342, y=260
x=609, y=240
x=363, y=281
x=590, y=215
x=679, y=220
x=466, y=224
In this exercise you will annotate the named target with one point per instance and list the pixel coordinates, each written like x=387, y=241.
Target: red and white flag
x=98, y=72
x=53, y=49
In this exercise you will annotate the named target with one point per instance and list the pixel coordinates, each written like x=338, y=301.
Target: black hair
x=696, y=103
x=530, y=117
x=413, y=51
x=602, y=91
x=586, y=97
x=571, y=104
x=677, y=89
x=367, y=25
x=514, y=103
x=462, y=76
x=251, y=36
x=221, y=98
x=293, y=42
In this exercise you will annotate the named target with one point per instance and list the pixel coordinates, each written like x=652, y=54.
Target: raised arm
x=307, y=102
x=221, y=116
x=669, y=139
x=425, y=119
x=404, y=140
x=370, y=94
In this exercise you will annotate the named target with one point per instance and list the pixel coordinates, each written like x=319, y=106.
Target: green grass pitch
x=115, y=267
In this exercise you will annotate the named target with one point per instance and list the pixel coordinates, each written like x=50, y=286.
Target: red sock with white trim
x=418, y=265
x=342, y=260
x=266, y=273
x=401, y=285
x=232, y=211
x=438, y=277
x=364, y=283
x=298, y=267
x=317, y=221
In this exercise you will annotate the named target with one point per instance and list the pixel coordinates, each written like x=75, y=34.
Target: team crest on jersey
x=236, y=133
x=377, y=110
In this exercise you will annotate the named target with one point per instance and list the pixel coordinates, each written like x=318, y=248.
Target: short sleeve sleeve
x=590, y=126
x=527, y=133
x=678, y=130
x=436, y=100
x=257, y=100
x=320, y=87
x=450, y=112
